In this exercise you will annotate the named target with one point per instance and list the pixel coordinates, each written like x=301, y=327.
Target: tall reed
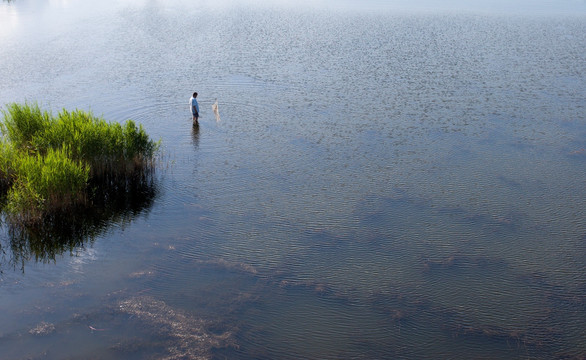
x=47, y=161
x=8, y=157
x=23, y=122
x=52, y=182
x=109, y=148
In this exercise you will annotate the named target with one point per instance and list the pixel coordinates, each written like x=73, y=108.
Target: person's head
x=194, y=94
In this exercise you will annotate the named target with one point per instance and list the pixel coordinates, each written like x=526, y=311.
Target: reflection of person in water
x=194, y=108
x=195, y=136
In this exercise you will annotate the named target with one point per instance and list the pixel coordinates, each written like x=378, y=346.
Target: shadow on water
x=117, y=203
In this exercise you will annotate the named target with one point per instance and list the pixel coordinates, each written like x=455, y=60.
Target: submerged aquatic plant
x=47, y=162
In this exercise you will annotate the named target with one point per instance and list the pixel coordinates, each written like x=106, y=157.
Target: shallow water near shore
x=391, y=185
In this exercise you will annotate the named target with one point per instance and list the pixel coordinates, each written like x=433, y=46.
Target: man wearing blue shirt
x=194, y=108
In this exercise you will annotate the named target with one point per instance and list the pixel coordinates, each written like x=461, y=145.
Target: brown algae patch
x=141, y=274
x=42, y=329
x=229, y=265
x=188, y=336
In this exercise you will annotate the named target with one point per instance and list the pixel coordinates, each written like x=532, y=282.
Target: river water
x=377, y=185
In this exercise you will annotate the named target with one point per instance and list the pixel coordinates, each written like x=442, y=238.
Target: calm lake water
x=389, y=185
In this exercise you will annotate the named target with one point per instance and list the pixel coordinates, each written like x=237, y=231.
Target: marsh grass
x=47, y=163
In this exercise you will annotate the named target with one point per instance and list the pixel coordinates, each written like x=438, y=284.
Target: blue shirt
x=192, y=103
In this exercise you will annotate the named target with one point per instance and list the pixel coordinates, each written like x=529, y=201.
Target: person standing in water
x=194, y=108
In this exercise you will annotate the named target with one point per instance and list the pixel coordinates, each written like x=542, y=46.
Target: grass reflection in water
x=59, y=232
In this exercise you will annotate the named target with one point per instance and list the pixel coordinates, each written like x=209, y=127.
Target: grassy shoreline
x=47, y=162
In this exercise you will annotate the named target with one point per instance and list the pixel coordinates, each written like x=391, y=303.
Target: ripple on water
x=378, y=186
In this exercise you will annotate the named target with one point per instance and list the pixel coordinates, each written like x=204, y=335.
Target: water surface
x=389, y=185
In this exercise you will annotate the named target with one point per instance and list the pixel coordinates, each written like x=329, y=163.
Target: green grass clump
x=46, y=162
x=8, y=157
x=52, y=182
x=109, y=148
x=22, y=122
